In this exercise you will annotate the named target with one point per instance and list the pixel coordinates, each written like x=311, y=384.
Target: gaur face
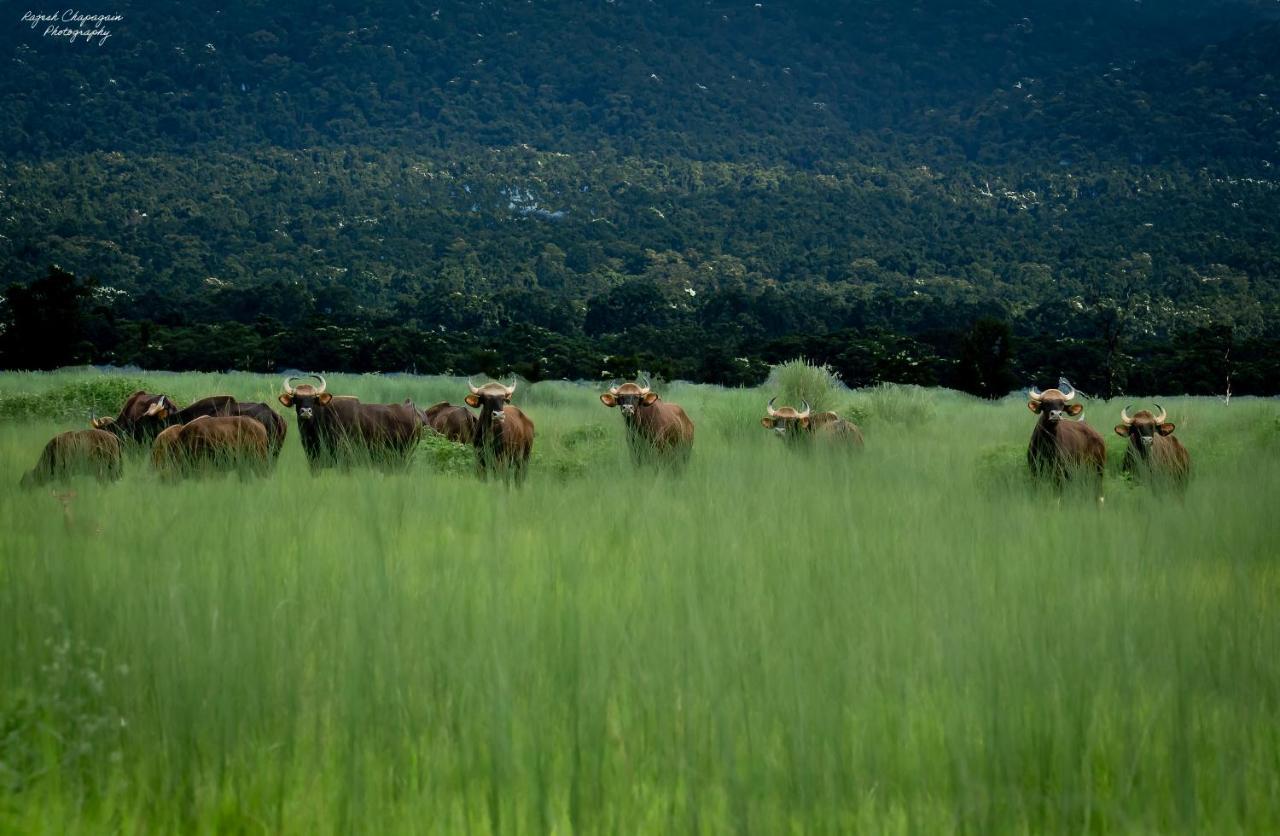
x=305, y=404
x=1142, y=429
x=785, y=425
x=492, y=397
x=1053, y=406
x=305, y=398
x=787, y=422
x=628, y=398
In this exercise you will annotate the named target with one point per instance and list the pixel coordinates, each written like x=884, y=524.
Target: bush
x=799, y=380
x=83, y=399
x=895, y=404
x=1003, y=467
x=445, y=456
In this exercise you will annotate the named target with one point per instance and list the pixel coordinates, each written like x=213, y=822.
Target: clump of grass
x=896, y=404
x=584, y=436
x=1002, y=467
x=75, y=400
x=799, y=380
x=65, y=722
x=445, y=456
x=573, y=452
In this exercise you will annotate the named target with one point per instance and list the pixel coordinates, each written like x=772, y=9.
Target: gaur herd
x=221, y=433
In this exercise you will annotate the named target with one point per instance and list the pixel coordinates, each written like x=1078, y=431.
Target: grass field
x=910, y=640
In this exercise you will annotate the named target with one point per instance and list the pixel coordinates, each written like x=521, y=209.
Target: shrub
x=799, y=380
x=896, y=404
x=445, y=456
x=79, y=400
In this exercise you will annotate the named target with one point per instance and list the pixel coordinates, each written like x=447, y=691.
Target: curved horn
x=772, y=411
x=475, y=390
x=807, y=409
x=644, y=390
x=1163, y=415
x=1071, y=390
x=1124, y=416
x=1034, y=394
x=288, y=390
x=323, y=383
x=613, y=388
x=512, y=388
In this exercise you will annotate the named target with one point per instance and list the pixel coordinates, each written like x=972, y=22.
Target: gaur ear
x=767, y=423
x=324, y=398
x=472, y=401
x=608, y=400
x=804, y=422
x=1165, y=429
x=1033, y=406
x=1075, y=408
x=1122, y=431
x=286, y=399
x=650, y=398
x=161, y=413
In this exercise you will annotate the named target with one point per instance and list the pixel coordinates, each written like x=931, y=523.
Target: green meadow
x=910, y=639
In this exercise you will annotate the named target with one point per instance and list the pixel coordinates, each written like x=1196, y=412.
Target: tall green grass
x=912, y=639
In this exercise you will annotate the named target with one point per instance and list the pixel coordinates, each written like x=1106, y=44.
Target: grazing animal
x=231, y=442
x=144, y=415
x=271, y=422
x=91, y=452
x=1061, y=448
x=655, y=428
x=801, y=426
x=504, y=435
x=1152, y=448
x=455, y=423
x=340, y=429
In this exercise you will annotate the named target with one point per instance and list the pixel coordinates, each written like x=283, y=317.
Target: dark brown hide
x=1061, y=447
x=1152, y=449
x=91, y=452
x=211, y=444
x=832, y=426
x=795, y=426
x=336, y=429
x=504, y=435
x=455, y=423
x=270, y=420
x=144, y=415
x=653, y=425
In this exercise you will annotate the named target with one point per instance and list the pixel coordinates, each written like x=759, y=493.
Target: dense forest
x=979, y=195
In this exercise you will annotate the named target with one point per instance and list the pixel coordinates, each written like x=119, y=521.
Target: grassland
x=910, y=640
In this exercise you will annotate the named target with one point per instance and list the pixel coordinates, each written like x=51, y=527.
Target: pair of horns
x=288, y=383
x=1124, y=415
x=475, y=390
x=1067, y=394
x=805, y=414
x=644, y=389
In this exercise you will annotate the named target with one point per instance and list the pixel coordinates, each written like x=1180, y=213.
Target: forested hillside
x=969, y=194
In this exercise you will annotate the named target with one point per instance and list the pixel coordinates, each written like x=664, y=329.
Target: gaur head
x=628, y=397
x=492, y=396
x=1054, y=404
x=786, y=422
x=305, y=397
x=1142, y=428
x=139, y=420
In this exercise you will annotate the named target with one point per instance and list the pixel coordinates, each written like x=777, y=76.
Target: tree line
x=60, y=320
